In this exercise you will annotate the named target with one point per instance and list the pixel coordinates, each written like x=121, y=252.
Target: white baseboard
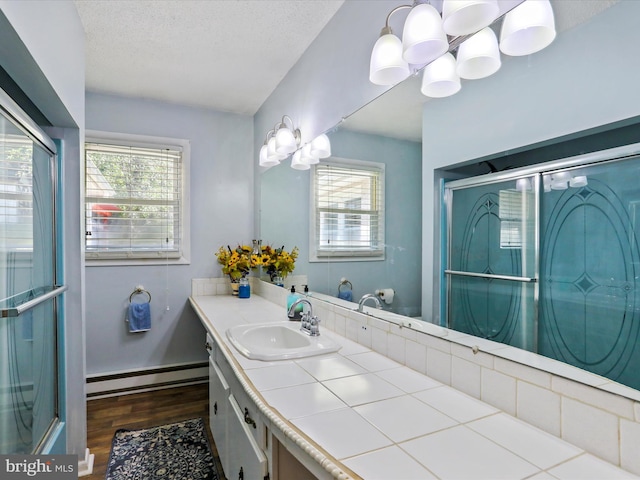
x=85, y=466
x=136, y=381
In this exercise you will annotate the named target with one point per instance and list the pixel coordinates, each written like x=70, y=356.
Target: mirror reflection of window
x=348, y=210
x=512, y=218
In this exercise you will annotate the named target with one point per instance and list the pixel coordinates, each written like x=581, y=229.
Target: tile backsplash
x=589, y=411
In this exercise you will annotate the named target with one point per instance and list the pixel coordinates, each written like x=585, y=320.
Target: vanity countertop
x=382, y=420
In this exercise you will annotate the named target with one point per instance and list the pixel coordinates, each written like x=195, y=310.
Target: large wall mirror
x=389, y=130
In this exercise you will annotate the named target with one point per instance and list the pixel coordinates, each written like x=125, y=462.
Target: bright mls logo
x=50, y=467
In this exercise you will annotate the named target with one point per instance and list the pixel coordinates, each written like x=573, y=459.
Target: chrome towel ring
x=139, y=291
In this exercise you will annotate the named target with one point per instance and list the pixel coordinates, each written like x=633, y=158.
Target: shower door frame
x=14, y=114
x=536, y=172
x=499, y=177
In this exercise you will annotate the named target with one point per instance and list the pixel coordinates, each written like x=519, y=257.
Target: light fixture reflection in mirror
x=320, y=147
x=283, y=141
x=440, y=79
x=298, y=163
x=523, y=185
x=478, y=56
x=463, y=17
x=528, y=28
x=309, y=157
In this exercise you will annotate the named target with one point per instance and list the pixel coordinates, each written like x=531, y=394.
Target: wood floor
x=140, y=410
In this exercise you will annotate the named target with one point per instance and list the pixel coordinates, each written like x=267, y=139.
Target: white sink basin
x=278, y=341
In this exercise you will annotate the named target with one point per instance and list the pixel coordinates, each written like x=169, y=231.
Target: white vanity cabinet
x=235, y=428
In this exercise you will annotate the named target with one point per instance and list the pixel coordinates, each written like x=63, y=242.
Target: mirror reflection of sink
x=278, y=341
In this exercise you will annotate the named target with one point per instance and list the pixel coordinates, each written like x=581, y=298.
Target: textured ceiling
x=228, y=55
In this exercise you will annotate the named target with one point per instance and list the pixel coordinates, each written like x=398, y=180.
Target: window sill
x=122, y=262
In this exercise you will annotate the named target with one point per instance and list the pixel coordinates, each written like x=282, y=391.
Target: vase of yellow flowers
x=236, y=263
x=277, y=262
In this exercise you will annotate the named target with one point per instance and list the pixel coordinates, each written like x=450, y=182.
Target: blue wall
x=220, y=187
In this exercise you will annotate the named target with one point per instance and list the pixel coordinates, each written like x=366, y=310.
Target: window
x=347, y=211
x=514, y=217
x=135, y=205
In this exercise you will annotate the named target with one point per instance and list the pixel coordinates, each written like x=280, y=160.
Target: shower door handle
x=492, y=276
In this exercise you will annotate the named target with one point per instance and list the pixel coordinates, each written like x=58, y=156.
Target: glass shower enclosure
x=29, y=289
x=547, y=259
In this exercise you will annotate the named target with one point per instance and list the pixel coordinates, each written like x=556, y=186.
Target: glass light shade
x=320, y=147
x=272, y=155
x=285, y=141
x=298, y=162
x=560, y=181
x=464, y=17
x=560, y=177
x=479, y=55
x=264, y=160
x=423, y=38
x=387, y=66
x=439, y=78
x=528, y=28
x=523, y=185
x=578, y=181
x=308, y=156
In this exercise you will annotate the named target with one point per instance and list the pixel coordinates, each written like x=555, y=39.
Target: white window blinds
x=16, y=192
x=348, y=210
x=133, y=201
x=514, y=217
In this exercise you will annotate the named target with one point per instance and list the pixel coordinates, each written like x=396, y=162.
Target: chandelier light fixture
x=430, y=38
x=284, y=141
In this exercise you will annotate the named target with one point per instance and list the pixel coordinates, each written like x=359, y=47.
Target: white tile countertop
x=382, y=420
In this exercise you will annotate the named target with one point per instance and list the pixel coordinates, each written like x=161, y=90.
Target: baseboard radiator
x=136, y=381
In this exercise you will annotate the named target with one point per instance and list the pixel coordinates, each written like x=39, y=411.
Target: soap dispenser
x=291, y=298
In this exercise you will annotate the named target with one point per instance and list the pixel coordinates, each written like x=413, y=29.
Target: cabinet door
x=245, y=455
x=219, y=411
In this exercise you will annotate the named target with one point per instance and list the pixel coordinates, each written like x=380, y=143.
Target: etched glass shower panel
x=589, y=270
x=492, y=260
x=28, y=375
x=499, y=310
x=492, y=230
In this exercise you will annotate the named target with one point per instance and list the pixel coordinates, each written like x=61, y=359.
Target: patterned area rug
x=179, y=451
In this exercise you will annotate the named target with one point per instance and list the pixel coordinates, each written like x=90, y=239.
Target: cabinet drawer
x=246, y=460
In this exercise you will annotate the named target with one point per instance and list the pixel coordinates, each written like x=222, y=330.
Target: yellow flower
x=278, y=262
x=238, y=262
x=235, y=263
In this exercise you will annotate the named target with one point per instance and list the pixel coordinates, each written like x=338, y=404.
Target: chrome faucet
x=309, y=323
x=366, y=297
